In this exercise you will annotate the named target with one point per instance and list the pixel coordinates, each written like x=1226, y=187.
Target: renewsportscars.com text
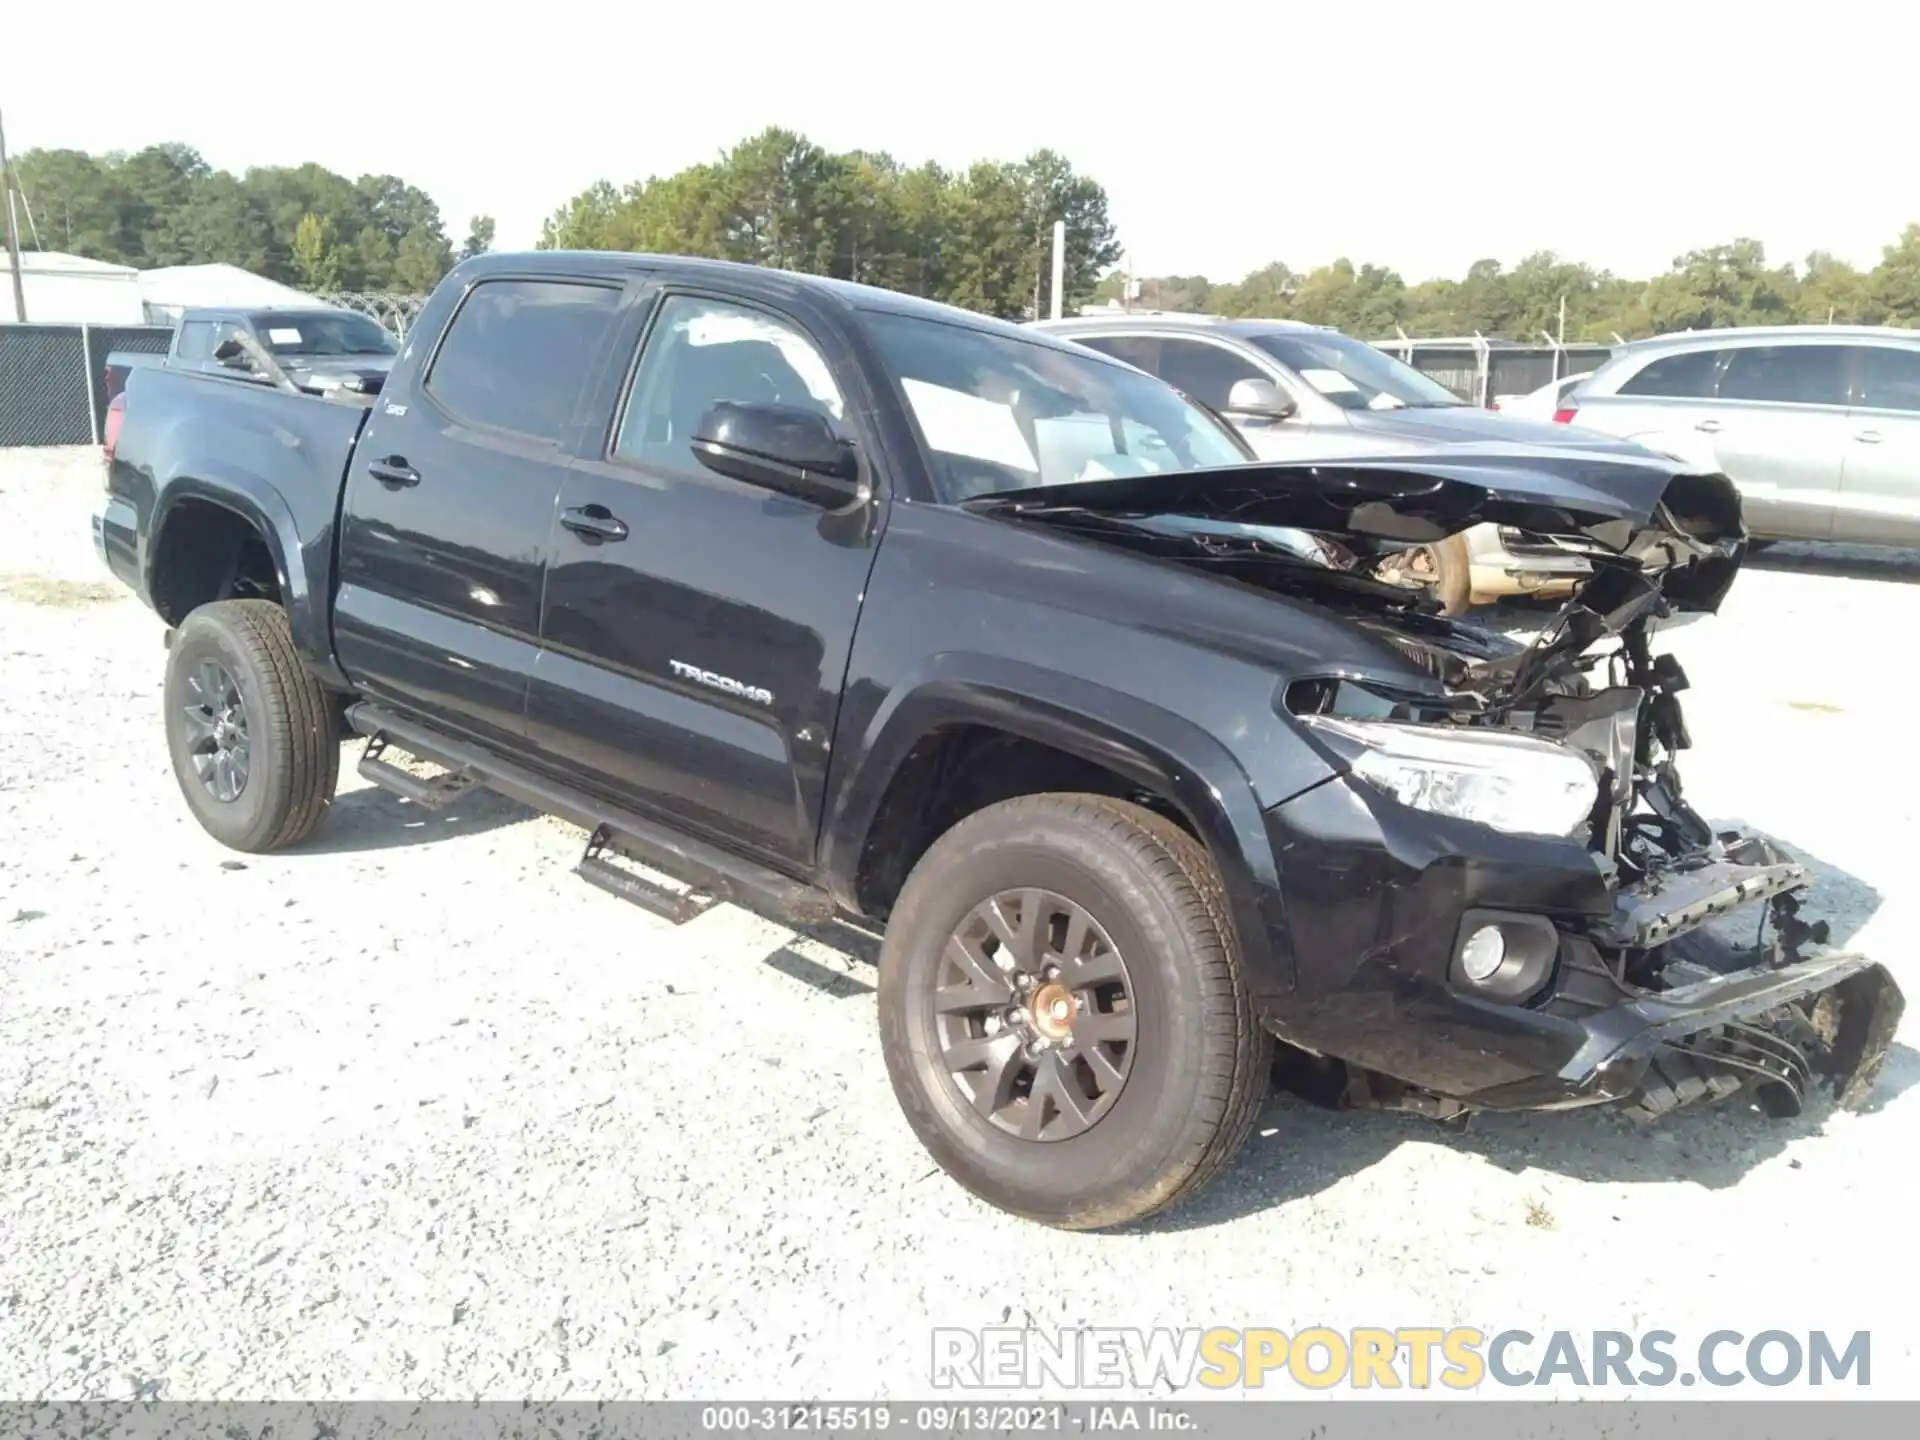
x=1405, y=1357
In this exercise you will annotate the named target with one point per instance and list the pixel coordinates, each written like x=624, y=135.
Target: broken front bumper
x=1650, y=1004
x=1780, y=1030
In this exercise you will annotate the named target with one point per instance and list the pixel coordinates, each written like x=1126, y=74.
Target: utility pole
x=1059, y=267
x=13, y=236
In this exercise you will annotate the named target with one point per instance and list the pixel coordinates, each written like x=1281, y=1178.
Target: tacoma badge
x=722, y=682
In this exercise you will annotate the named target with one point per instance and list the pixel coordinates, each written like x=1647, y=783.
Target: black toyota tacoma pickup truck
x=843, y=605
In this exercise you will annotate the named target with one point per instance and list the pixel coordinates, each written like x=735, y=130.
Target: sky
x=1227, y=135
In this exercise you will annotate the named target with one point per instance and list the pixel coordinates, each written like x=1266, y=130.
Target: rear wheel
x=253, y=737
x=1064, y=1012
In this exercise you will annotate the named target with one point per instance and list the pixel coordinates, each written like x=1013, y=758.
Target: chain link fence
x=1479, y=370
x=393, y=310
x=53, y=379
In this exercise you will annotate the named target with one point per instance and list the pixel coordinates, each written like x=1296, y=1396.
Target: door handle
x=394, y=472
x=1712, y=427
x=1867, y=437
x=594, y=523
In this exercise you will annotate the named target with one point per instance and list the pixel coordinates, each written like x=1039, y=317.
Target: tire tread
x=299, y=720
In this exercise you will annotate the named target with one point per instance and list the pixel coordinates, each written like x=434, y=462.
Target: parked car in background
x=1819, y=425
x=317, y=350
x=1541, y=404
x=1303, y=392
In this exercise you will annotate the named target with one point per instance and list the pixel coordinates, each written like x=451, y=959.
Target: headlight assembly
x=1514, y=783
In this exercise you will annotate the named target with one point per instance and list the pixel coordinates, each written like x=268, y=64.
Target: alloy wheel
x=1034, y=1014
x=217, y=731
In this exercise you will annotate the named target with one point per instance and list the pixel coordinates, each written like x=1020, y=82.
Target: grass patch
x=58, y=594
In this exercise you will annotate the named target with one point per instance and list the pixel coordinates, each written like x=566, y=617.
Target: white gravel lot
x=391, y=1119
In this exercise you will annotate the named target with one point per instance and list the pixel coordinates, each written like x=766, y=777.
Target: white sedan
x=1542, y=403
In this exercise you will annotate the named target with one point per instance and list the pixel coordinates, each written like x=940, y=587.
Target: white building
x=70, y=290
x=167, y=291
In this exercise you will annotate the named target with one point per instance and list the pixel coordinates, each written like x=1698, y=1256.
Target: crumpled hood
x=1650, y=511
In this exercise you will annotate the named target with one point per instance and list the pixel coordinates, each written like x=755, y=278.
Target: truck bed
x=281, y=456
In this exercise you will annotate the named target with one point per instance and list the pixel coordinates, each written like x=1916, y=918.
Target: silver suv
x=1302, y=392
x=1818, y=425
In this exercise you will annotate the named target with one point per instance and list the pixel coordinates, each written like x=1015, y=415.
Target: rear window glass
x=1889, y=378
x=1687, y=376
x=519, y=352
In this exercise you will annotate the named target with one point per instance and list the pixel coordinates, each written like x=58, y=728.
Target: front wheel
x=1064, y=1011
x=253, y=737
x=1452, y=575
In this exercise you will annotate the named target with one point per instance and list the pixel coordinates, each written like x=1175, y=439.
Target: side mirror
x=783, y=448
x=1255, y=399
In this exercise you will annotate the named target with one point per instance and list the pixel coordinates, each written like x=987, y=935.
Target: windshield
x=343, y=334
x=999, y=413
x=1353, y=374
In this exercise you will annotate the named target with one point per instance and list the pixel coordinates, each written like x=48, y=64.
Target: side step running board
x=429, y=792
x=597, y=870
x=714, y=873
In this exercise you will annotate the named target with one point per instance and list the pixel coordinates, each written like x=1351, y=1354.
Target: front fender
x=303, y=569
x=1160, y=750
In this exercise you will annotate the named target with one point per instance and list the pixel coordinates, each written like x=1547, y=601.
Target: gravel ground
x=389, y=1119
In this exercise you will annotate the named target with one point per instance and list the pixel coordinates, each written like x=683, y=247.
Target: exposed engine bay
x=1659, y=542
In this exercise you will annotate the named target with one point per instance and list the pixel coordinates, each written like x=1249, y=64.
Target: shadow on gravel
x=373, y=819
x=1299, y=1149
x=1845, y=562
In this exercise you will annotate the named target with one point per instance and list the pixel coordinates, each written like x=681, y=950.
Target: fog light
x=1480, y=957
x=1502, y=955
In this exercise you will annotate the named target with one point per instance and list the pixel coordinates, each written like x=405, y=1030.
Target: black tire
x=1453, y=575
x=1200, y=1064
x=292, y=734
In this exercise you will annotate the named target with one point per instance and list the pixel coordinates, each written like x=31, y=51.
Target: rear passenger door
x=1780, y=432
x=449, y=502
x=1879, y=499
x=697, y=627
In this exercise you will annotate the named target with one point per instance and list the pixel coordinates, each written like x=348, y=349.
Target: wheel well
x=207, y=553
x=957, y=769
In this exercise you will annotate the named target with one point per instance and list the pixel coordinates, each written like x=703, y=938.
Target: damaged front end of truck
x=1596, y=942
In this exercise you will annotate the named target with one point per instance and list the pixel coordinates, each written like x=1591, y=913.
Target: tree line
x=1721, y=285
x=302, y=225
x=979, y=237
